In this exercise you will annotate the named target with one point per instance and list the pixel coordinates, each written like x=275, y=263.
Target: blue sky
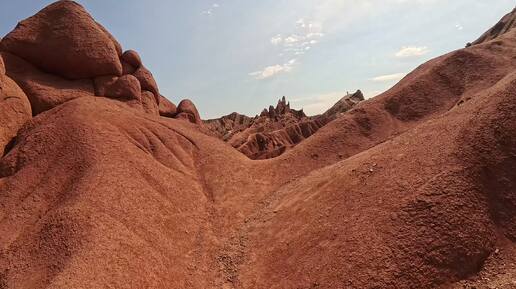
x=242, y=55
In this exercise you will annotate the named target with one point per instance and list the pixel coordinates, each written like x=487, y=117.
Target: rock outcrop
x=15, y=110
x=507, y=23
x=187, y=110
x=229, y=125
x=276, y=129
x=2, y=66
x=62, y=53
x=63, y=39
x=343, y=105
x=166, y=107
x=44, y=90
x=123, y=87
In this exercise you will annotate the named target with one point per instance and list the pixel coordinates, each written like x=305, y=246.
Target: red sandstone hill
x=414, y=188
x=276, y=129
x=507, y=23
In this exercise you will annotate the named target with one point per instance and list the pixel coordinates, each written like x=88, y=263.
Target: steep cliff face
x=276, y=129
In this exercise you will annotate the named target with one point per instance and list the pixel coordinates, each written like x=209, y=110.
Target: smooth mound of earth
x=414, y=188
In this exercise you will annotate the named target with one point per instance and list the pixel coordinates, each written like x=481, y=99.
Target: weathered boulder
x=65, y=40
x=132, y=57
x=187, y=110
x=14, y=111
x=127, y=68
x=149, y=104
x=166, y=107
x=44, y=91
x=102, y=82
x=2, y=66
x=117, y=45
x=147, y=81
x=124, y=87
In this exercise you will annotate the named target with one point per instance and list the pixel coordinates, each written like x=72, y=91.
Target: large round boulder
x=132, y=57
x=186, y=110
x=124, y=87
x=166, y=107
x=44, y=91
x=147, y=81
x=14, y=111
x=64, y=39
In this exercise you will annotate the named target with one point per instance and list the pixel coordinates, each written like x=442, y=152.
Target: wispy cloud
x=277, y=40
x=211, y=10
x=412, y=51
x=389, y=77
x=273, y=70
x=306, y=34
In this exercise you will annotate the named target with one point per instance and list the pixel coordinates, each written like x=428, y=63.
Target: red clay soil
x=412, y=189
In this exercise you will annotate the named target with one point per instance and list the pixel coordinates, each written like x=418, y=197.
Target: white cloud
x=304, y=37
x=389, y=77
x=273, y=70
x=301, y=23
x=209, y=12
x=276, y=40
x=412, y=51
x=293, y=39
x=459, y=27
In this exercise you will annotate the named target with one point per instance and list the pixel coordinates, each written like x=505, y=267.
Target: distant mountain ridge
x=507, y=23
x=276, y=129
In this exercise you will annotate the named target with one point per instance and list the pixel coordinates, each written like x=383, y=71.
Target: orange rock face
x=149, y=104
x=71, y=49
x=45, y=91
x=187, y=110
x=124, y=87
x=15, y=110
x=55, y=60
x=147, y=81
x=133, y=58
x=166, y=107
x=2, y=66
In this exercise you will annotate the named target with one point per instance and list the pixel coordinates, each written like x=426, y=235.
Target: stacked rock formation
x=276, y=129
x=62, y=53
